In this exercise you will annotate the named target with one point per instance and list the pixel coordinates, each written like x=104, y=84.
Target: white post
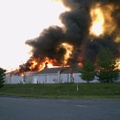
x=77, y=87
x=58, y=76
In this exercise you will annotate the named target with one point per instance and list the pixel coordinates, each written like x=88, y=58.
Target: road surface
x=12, y=108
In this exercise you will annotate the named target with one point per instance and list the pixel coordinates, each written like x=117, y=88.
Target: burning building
x=88, y=27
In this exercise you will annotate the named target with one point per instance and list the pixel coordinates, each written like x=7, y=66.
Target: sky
x=21, y=20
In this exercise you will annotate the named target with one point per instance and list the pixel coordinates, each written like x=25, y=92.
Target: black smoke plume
x=75, y=32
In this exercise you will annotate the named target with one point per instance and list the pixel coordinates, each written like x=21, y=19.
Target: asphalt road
x=58, y=109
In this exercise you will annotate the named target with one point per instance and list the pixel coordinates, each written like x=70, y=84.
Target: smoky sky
x=75, y=32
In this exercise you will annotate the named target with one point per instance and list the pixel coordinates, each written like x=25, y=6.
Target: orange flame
x=69, y=50
x=36, y=64
x=102, y=22
x=80, y=64
x=33, y=64
x=22, y=74
x=97, y=21
x=118, y=65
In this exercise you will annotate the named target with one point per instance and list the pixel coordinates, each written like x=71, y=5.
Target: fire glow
x=69, y=49
x=97, y=22
x=47, y=63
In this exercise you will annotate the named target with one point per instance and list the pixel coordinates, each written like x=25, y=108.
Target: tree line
x=105, y=68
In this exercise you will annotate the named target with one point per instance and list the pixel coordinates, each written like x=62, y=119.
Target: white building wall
x=41, y=78
x=77, y=78
x=95, y=80
x=7, y=80
x=28, y=79
x=64, y=78
x=52, y=78
x=45, y=78
x=48, y=78
x=118, y=77
x=14, y=79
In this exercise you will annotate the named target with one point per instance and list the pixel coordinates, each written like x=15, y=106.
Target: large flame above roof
x=97, y=21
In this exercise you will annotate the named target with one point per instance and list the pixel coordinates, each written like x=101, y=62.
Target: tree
x=107, y=65
x=2, y=75
x=88, y=71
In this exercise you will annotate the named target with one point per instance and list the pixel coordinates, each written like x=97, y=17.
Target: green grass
x=63, y=90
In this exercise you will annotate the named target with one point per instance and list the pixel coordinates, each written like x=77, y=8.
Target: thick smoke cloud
x=46, y=45
x=77, y=23
x=75, y=32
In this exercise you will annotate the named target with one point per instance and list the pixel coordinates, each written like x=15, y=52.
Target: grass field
x=63, y=90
